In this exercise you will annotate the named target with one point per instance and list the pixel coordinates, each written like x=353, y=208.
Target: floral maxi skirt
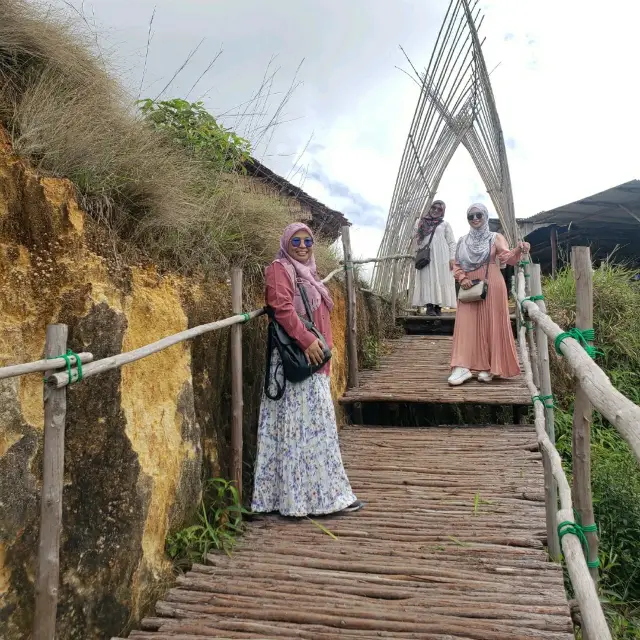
x=299, y=467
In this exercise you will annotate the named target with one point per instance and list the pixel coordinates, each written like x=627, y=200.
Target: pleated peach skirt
x=482, y=337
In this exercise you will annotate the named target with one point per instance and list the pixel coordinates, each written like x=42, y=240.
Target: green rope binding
x=530, y=299
x=245, y=318
x=583, y=337
x=67, y=358
x=579, y=531
x=522, y=263
x=543, y=400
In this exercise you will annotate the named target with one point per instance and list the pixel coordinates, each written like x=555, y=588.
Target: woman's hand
x=452, y=265
x=466, y=283
x=314, y=353
x=524, y=247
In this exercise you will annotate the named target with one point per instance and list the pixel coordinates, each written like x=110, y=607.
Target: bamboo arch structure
x=456, y=105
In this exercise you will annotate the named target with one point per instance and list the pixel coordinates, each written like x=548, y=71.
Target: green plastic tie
x=530, y=299
x=543, y=400
x=67, y=358
x=582, y=336
x=522, y=263
x=245, y=318
x=579, y=531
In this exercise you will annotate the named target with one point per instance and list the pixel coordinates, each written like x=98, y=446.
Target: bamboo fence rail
x=594, y=622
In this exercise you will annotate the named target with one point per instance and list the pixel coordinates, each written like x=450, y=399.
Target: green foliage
x=372, y=349
x=198, y=131
x=218, y=527
x=615, y=473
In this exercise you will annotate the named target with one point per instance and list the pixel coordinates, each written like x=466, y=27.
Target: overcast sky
x=566, y=89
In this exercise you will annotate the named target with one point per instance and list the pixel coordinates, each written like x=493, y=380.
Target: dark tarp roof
x=608, y=221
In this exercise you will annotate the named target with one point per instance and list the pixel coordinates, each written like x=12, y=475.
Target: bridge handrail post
x=582, y=408
x=237, y=401
x=594, y=621
x=48, y=571
x=394, y=287
x=533, y=348
x=352, y=326
x=550, y=485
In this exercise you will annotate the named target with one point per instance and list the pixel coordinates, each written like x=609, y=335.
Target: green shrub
x=217, y=529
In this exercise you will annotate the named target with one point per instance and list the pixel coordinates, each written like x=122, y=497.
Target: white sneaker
x=459, y=375
x=485, y=376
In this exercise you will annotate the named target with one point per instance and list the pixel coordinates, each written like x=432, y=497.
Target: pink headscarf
x=306, y=273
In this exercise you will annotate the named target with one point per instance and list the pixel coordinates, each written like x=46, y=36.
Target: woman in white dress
x=434, y=285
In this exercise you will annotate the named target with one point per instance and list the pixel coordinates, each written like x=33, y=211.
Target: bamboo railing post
x=530, y=335
x=236, y=382
x=583, y=409
x=550, y=486
x=48, y=572
x=352, y=327
x=397, y=264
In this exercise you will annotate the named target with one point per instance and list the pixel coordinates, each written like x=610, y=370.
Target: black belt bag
x=294, y=363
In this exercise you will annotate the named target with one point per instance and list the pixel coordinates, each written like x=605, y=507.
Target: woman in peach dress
x=482, y=339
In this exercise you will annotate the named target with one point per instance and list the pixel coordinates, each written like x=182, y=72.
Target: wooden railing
x=593, y=389
x=56, y=381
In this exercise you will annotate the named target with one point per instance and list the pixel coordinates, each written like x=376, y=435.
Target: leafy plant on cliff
x=218, y=527
x=199, y=132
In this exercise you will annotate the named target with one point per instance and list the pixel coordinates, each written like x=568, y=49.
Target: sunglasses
x=476, y=216
x=296, y=242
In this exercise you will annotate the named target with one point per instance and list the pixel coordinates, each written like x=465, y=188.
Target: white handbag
x=479, y=288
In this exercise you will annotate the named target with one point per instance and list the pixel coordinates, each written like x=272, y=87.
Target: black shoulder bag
x=423, y=257
x=294, y=363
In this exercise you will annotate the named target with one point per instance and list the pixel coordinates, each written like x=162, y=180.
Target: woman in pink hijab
x=299, y=468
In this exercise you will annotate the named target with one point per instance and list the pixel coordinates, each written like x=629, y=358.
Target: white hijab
x=474, y=249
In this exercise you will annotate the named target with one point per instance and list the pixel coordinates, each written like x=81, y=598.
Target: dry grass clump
x=70, y=118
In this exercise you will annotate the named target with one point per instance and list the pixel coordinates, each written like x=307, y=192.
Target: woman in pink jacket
x=299, y=468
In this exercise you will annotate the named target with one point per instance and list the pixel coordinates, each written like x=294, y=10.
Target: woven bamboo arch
x=456, y=105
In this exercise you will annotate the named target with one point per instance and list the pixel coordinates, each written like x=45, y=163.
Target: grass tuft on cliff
x=161, y=199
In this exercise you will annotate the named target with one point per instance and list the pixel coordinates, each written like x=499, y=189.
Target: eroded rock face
x=133, y=450
x=139, y=439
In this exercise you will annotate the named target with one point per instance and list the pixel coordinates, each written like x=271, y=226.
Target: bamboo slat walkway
x=449, y=547
x=416, y=370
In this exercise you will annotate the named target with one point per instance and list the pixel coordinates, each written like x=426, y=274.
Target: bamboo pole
x=583, y=409
x=48, y=572
x=58, y=380
x=236, y=382
x=550, y=486
x=352, y=327
x=394, y=288
x=42, y=365
x=530, y=334
x=595, y=624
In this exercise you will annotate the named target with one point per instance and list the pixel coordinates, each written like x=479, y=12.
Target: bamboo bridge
x=451, y=543
x=469, y=511
x=468, y=515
